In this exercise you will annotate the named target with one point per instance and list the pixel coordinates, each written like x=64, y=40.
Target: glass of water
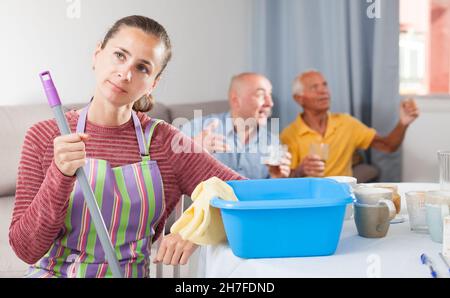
x=273, y=155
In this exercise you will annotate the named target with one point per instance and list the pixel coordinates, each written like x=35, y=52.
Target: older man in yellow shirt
x=341, y=132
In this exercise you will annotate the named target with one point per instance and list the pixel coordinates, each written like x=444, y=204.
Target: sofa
x=14, y=122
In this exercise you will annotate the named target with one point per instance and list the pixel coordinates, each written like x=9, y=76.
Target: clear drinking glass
x=274, y=154
x=417, y=212
x=444, y=169
x=320, y=149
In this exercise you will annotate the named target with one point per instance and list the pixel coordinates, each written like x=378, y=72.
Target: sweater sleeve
x=193, y=165
x=41, y=199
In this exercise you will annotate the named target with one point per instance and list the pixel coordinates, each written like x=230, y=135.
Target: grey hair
x=297, y=84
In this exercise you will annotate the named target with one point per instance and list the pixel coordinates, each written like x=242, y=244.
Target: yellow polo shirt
x=344, y=135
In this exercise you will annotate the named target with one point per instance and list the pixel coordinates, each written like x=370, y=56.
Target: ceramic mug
x=373, y=221
x=371, y=195
x=396, y=198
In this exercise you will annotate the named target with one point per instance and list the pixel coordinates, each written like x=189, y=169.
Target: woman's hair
x=149, y=26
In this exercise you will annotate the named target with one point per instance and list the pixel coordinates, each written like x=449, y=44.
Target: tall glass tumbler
x=444, y=169
x=415, y=203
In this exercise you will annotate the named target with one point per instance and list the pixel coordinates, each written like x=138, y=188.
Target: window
x=424, y=47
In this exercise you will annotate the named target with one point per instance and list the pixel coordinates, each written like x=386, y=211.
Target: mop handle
x=99, y=223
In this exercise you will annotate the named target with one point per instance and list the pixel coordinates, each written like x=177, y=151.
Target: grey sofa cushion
x=187, y=110
x=14, y=123
x=160, y=111
x=10, y=264
x=74, y=106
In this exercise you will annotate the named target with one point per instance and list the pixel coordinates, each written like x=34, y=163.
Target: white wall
x=428, y=134
x=211, y=40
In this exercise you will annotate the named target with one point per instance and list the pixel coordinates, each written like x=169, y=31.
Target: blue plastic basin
x=277, y=218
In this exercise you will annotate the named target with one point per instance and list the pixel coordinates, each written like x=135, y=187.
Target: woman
x=134, y=172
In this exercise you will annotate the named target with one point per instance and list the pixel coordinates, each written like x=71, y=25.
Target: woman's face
x=126, y=68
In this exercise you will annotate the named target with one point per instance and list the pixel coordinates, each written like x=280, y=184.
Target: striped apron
x=131, y=200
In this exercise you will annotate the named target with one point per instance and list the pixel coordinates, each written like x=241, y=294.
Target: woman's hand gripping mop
x=201, y=223
x=99, y=223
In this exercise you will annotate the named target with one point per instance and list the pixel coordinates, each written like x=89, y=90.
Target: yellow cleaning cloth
x=201, y=223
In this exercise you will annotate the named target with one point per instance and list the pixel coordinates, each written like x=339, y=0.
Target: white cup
x=352, y=182
x=372, y=196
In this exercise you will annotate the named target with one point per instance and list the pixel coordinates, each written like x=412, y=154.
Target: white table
x=396, y=255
